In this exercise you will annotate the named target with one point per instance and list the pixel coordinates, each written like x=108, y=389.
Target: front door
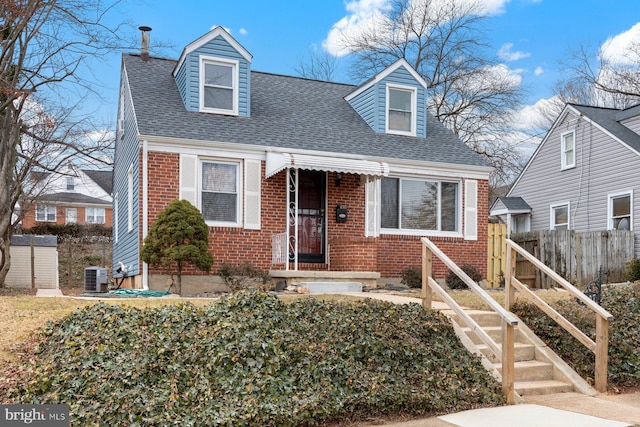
x=311, y=216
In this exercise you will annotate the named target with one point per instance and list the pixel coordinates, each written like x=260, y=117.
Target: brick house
x=70, y=196
x=297, y=176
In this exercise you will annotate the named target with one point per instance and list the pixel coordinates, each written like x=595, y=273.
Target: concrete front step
x=331, y=287
x=522, y=352
x=495, y=332
x=536, y=388
x=530, y=370
x=482, y=318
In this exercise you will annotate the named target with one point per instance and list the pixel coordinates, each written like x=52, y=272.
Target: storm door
x=311, y=216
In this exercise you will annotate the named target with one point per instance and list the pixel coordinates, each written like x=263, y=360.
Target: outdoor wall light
x=338, y=178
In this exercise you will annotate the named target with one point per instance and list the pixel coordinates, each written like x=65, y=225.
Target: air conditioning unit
x=95, y=279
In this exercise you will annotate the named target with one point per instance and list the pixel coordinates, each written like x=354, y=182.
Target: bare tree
x=44, y=47
x=319, y=65
x=593, y=77
x=468, y=90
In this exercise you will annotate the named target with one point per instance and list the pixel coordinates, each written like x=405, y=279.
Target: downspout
x=145, y=208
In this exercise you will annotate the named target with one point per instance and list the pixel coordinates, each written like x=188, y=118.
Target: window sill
x=421, y=233
x=220, y=112
x=400, y=132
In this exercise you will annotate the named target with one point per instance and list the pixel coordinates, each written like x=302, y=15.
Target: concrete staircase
x=538, y=370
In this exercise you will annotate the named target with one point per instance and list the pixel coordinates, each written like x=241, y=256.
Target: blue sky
x=530, y=36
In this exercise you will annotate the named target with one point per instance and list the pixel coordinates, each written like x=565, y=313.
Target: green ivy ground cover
x=623, y=302
x=250, y=359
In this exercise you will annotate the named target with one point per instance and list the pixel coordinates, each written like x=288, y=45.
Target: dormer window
x=219, y=86
x=401, y=110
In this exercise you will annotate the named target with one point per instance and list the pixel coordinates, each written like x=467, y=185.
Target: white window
x=219, y=86
x=620, y=212
x=130, y=199
x=71, y=216
x=95, y=215
x=560, y=217
x=45, y=213
x=71, y=184
x=220, y=184
x=568, y=159
x=401, y=110
x=425, y=205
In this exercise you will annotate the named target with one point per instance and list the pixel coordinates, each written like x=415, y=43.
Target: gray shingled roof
x=40, y=241
x=608, y=119
x=102, y=178
x=286, y=112
x=514, y=203
x=72, y=198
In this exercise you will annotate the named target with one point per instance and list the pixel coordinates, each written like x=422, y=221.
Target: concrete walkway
x=552, y=410
x=49, y=293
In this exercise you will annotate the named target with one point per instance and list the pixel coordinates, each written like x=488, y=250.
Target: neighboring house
x=584, y=176
x=291, y=173
x=72, y=195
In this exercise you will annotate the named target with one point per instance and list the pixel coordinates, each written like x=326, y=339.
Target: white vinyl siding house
x=598, y=189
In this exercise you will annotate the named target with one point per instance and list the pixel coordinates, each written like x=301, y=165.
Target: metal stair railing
x=506, y=352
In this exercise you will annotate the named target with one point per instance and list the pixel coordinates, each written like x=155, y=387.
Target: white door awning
x=277, y=162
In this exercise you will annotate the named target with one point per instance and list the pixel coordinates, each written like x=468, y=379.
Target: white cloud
x=243, y=31
x=532, y=117
x=365, y=14
x=507, y=54
x=617, y=48
x=538, y=71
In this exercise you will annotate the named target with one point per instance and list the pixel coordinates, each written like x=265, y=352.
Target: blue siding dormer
x=213, y=75
x=372, y=101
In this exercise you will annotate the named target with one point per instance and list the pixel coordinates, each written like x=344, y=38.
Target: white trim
x=239, y=190
x=414, y=108
x=505, y=211
x=218, y=31
x=415, y=232
x=470, y=211
x=114, y=214
x=235, y=82
x=372, y=206
x=552, y=224
x=252, y=194
x=145, y=189
x=256, y=152
x=276, y=162
x=611, y=196
x=130, y=198
x=383, y=74
x=145, y=206
x=563, y=150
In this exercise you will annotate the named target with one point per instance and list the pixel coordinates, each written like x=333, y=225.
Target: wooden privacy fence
x=496, y=255
x=576, y=256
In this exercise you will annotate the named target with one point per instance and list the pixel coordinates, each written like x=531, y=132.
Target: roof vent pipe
x=144, y=48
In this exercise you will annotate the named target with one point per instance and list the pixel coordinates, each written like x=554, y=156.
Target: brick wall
x=349, y=249
x=29, y=219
